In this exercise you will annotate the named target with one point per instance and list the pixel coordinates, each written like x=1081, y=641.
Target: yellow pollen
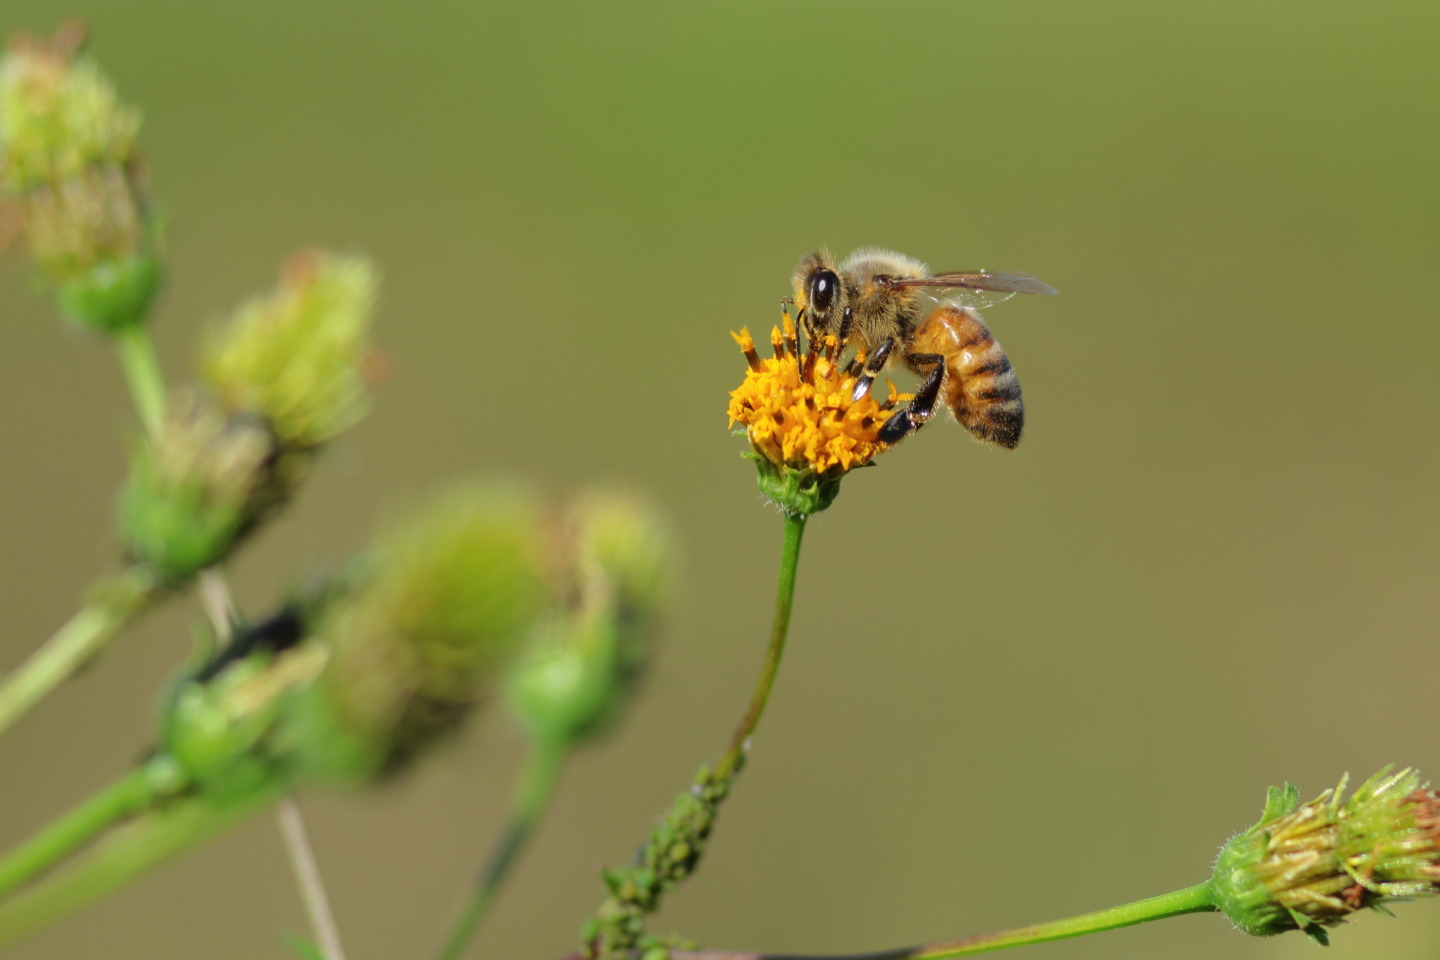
x=798, y=411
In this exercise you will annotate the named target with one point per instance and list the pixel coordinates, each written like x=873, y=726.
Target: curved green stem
x=1196, y=899
x=678, y=843
x=151, y=839
x=537, y=786
x=142, y=372
x=129, y=795
x=734, y=755
x=72, y=646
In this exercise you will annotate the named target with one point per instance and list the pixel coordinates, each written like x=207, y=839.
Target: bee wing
x=978, y=288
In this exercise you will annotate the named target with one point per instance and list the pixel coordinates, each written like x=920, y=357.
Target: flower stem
x=152, y=838
x=532, y=798
x=734, y=755
x=307, y=878
x=142, y=372
x=1196, y=899
x=677, y=844
x=72, y=646
x=129, y=795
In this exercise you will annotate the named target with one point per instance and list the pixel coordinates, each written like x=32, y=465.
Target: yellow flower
x=803, y=420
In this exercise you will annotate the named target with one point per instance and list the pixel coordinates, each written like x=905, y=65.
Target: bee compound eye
x=822, y=291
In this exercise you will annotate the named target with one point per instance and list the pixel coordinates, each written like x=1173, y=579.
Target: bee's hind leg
x=922, y=407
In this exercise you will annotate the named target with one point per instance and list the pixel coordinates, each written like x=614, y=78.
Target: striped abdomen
x=980, y=386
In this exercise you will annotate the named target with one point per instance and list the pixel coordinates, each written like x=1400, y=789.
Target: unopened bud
x=1310, y=866
x=297, y=355
x=70, y=171
x=229, y=732
x=583, y=664
x=439, y=610
x=197, y=487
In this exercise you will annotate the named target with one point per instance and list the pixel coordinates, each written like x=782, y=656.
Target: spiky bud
x=197, y=487
x=585, y=659
x=230, y=732
x=296, y=356
x=1310, y=866
x=71, y=174
x=438, y=611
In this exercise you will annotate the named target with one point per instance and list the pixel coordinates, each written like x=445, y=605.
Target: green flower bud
x=69, y=167
x=197, y=487
x=60, y=116
x=1310, y=866
x=623, y=541
x=439, y=610
x=227, y=733
x=295, y=356
x=583, y=663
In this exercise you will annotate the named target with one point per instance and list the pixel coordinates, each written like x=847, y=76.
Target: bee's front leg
x=922, y=407
x=873, y=365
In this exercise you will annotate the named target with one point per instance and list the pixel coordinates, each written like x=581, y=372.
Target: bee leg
x=873, y=366
x=922, y=408
x=832, y=353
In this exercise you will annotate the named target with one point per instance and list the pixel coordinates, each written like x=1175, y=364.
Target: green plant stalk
x=734, y=754
x=150, y=840
x=677, y=844
x=537, y=786
x=116, y=602
x=1196, y=899
x=128, y=796
x=142, y=372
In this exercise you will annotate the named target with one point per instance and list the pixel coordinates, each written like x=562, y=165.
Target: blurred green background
x=1019, y=686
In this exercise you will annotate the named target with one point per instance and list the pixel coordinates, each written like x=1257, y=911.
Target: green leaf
x=1280, y=802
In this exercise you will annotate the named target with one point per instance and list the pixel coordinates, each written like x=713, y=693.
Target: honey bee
x=891, y=306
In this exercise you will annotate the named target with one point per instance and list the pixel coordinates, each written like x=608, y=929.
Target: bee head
x=818, y=292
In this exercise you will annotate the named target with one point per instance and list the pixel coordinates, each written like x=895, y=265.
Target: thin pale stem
x=74, y=644
x=121, y=800
x=142, y=372
x=531, y=800
x=220, y=609
x=1196, y=899
x=307, y=878
x=784, y=599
